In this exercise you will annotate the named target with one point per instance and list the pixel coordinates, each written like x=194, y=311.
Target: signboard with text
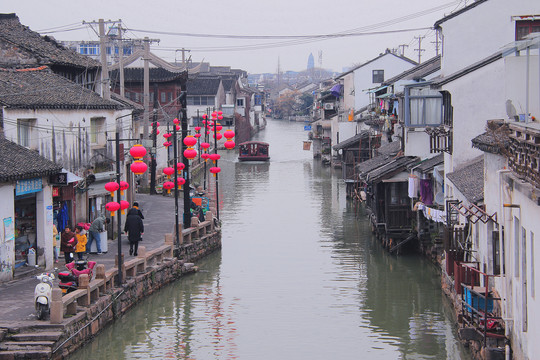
x=28, y=186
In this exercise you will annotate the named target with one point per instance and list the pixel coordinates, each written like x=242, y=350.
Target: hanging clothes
x=414, y=184
x=426, y=191
x=63, y=218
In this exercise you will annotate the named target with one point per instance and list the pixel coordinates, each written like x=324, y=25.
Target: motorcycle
x=69, y=280
x=43, y=295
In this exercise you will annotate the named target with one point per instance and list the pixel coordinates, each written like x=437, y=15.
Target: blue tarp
x=336, y=90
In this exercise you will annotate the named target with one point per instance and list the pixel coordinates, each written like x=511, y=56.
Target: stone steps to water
x=22, y=355
x=43, y=336
x=26, y=345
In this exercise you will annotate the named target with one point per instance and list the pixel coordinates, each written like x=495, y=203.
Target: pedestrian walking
x=80, y=247
x=56, y=249
x=136, y=206
x=67, y=243
x=97, y=227
x=135, y=228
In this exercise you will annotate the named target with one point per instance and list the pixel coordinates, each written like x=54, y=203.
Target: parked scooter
x=43, y=295
x=69, y=280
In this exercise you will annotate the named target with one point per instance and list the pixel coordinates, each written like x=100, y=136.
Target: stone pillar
x=57, y=307
x=84, y=283
x=100, y=271
x=210, y=217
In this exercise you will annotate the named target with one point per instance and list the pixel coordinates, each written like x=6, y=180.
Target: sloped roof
x=45, y=50
x=41, y=88
x=392, y=148
x=469, y=179
x=351, y=141
x=420, y=71
x=390, y=168
x=203, y=85
x=157, y=75
x=495, y=140
x=457, y=13
x=18, y=162
x=428, y=164
x=387, y=52
x=466, y=70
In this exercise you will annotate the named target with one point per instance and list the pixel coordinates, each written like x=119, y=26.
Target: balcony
x=524, y=151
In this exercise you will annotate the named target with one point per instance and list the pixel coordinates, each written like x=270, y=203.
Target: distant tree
x=286, y=104
x=304, y=104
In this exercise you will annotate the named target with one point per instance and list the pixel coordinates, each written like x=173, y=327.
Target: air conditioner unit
x=328, y=106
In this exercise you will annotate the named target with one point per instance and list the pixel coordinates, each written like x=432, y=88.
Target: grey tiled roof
x=203, y=85
x=390, y=167
x=18, y=162
x=156, y=75
x=43, y=50
x=469, y=179
x=389, y=148
x=41, y=88
x=495, y=140
x=351, y=141
x=430, y=163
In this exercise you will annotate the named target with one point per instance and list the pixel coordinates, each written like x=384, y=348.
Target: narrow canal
x=299, y=277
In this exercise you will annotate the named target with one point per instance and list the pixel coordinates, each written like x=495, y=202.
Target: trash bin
x=31, y=258
x=102, y=242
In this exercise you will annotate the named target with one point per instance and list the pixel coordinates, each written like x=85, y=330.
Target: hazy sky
x=255, y=18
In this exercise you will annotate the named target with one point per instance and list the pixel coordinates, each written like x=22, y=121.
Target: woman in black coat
x=135, y=228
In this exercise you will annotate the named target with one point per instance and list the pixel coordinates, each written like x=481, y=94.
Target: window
x=163, y=97
x=532, y=265
x=496, y=253
x=89, y=49
x=448, y=110
x=25, y=133
x=524, y=277
x=517, y=235
x=151, y=97
x=170, y=96
x=258, y=100
x=240, y=102
x=378, y=76
x=97, y=131
x=525, y=27
x=423, y=106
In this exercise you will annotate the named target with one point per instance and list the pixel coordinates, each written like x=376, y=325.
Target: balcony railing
x=524, y=153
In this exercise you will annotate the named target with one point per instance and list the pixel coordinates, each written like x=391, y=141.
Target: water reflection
x=299, y=277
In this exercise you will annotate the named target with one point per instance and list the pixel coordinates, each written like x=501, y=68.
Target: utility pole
x=121, y=58
x=419, y=47
x=105, y=81
x=183, y=50
x=154, y=146
x=436, y=42
x=402, y=47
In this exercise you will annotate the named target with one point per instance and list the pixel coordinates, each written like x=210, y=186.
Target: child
x=55, y=243
x=67, y=244
x=80, y=248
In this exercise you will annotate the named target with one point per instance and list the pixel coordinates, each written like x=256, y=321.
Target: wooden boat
x=253, y=151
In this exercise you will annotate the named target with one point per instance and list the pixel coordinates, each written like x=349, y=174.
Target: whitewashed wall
x=7, y=249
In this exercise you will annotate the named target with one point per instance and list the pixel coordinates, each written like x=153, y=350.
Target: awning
x=374, y=90
x=384, y=96
x=71, y=177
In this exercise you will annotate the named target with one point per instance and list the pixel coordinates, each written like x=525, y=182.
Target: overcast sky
x=254, y=18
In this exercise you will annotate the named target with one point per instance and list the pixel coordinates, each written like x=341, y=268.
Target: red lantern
x=112, y=187
x=229, y=144
x=205, y=156
x=167, y=135
x=176, y=121
x=180, y=167
x=181, y=181
x=168, y=171
x=229, y=134
x=220, y=112
x=220, y=117
x=138, y=167
x=204, y=116
x=123, y=206
x=197, y=135
x=197, y=128
x=214, y=114
x=190, y=141
x=123, y=186
x=219, y=127
x=157, y=131
x=168, y=185
x=137, y=151
x=167, y=144
x=112, y=207
x=190, y=153
x=214, y=170
x=205, y=145
x=218, y=136
x=157, y=123
x=215, y=157
x=177, y=127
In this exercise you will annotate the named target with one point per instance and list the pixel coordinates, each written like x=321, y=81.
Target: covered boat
x=253, y=151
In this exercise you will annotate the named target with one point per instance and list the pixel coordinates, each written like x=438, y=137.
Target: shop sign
x=28, y=186
x=59, y=179
x=55, y=191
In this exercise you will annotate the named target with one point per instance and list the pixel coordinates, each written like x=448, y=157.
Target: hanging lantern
x=197, y=128
x=220, y=112
x=214, y=114
x=123, y=206
x=168, y=171
x=219, y=127
x=229, y=134
x=205, y=145
x=137, y=151
x=157, y=131
x=168, y=185
x=190, y=141
x=229, y=144
x=112, y=187
x=220, y=117
x=180, y=167
x=157, y=123
x=181, y=181
x=177, y=127
x=112, y=207
x=197, y=135
x=215, y=170
x=167, y=135
x=123, y=186
x=190, y=153
x=215, y=157
x=138, y=167
x=176, y=121
x=218, y=136
x=205, y=156
x=167, y=144
x=204, y=116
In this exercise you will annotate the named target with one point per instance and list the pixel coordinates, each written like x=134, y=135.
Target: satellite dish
x=439, y=198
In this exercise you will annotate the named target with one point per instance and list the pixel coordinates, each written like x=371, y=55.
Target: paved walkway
x=17, y=296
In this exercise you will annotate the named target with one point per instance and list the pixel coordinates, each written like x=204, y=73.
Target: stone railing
x=524, y=152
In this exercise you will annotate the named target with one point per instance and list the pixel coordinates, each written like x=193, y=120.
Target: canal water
x=299, y=277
